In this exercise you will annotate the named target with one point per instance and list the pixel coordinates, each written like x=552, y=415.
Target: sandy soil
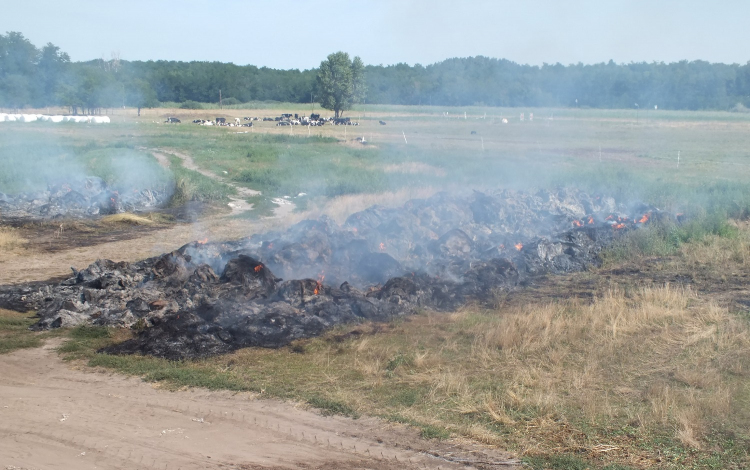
x=53, y=415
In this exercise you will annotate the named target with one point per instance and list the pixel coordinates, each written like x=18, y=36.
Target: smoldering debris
x=82, y=197
x=437, y=253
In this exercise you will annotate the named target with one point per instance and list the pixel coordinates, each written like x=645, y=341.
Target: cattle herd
x=286, y=119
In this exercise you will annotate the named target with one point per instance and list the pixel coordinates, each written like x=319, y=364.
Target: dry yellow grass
x=127, y=218
x=10, y=240
x=657, y=360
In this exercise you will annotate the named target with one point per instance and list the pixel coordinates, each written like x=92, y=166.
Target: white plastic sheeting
x=4, y=117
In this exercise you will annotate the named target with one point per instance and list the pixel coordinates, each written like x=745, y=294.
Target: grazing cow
x=172, y=120
x=236, y=121
x=220, y=120
x=382, y=123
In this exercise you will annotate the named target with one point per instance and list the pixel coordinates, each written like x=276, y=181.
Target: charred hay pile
x=79, y=198
x=270, y=289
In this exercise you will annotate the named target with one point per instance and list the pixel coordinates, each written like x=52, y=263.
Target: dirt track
x=54, y=416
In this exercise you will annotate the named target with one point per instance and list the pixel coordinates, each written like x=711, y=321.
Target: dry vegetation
x=640, y=372
x=10, y=240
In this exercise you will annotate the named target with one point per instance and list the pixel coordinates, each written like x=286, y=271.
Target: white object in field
x=464, y=115
x=56, y=118
x=3, y=117
x=531, y=116
x=656, y=107
x=404, y=137
x=678, y=159
x=28, y=117
x=505, y=121
x=11, y=118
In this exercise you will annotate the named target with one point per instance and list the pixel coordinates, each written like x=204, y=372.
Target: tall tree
x=341, y=82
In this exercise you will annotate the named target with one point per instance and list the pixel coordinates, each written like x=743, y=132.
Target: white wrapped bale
x=57, y=118
x=28, y=118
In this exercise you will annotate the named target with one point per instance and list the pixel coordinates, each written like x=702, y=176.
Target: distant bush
x=740, y=108
x=230, y=101
x=189, y=104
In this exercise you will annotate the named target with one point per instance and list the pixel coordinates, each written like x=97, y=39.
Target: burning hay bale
x=81, y=198
x=437, y=253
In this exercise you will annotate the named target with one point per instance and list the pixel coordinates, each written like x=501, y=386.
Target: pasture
x=624, y=366
x=602, y=151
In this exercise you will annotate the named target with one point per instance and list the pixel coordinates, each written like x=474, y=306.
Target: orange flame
x=258, y=268
x=610, y=217
x=519, y=246
x=319, y=286
x=382, y=247
x=591, y=220
x=644, y=219
x=618, y=226
x=203, y=242
x=577, y=223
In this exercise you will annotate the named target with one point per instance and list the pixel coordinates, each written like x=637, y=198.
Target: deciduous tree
x=341, y=82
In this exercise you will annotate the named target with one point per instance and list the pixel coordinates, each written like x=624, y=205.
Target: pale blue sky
x=299, y=34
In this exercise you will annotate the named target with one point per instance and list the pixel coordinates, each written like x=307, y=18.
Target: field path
x=237, y=204
x=53, y=415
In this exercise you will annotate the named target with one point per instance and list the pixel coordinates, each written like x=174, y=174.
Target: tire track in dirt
x=54, y=416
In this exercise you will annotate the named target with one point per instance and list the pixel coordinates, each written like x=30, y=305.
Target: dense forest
x=33, y=77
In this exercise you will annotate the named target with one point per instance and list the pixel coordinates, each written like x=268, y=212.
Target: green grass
x=193, y=186
x=15, y=333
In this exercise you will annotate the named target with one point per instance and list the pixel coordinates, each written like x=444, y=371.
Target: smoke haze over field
x=298, y=34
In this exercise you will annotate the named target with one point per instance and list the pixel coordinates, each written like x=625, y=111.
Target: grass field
x=598, y=150
x=603, y=369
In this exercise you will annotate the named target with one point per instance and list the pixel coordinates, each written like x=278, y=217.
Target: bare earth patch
x=55, y=416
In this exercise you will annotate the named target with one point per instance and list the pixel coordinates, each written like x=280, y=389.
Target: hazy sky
x=299, y=34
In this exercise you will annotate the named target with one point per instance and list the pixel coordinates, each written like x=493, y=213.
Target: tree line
x=39, y=77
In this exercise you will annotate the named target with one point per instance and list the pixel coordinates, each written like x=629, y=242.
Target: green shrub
x=189, y=104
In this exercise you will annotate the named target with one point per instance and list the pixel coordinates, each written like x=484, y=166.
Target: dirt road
x=55, y=416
